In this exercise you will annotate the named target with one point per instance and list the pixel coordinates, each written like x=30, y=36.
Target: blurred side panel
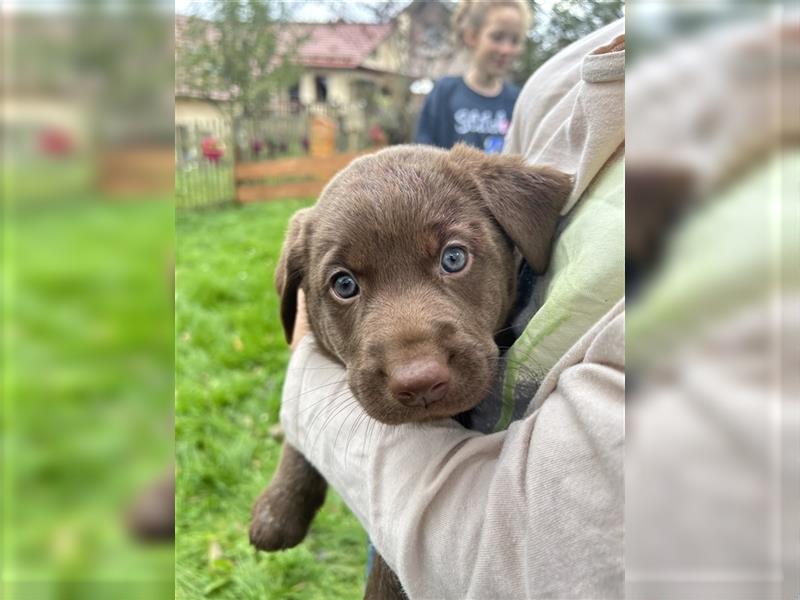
x=87, y=296
x=713, y=286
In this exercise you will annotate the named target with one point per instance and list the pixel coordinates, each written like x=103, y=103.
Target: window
x=321, y=83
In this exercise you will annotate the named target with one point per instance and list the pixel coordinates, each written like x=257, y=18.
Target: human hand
x=301, y=324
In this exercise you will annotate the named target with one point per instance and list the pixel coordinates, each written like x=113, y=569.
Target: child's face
x=498, y=42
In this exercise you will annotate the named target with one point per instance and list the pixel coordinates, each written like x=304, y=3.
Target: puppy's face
x=409, y=269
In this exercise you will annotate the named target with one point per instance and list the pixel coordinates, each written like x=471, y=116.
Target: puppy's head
x=409, y=268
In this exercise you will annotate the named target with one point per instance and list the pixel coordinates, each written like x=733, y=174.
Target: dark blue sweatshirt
x=455, y=113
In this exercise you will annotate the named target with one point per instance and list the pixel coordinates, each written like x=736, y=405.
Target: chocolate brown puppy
x=409, y=266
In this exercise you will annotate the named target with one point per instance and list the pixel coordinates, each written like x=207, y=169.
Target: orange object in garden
x=323, y=136
x=211, y=149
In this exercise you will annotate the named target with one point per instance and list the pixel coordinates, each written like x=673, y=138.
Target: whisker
x=362, y=418
x=503, y=330
x=366, y=437
x=339, y=430
x=304, y=368
x=325, y=398
x=333, y=414
x=319, y=387
x=337, y=395
x=327, y=409
x=375, y=427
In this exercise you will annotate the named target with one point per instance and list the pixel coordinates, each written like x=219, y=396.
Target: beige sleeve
x=535, y=511
x=570, y=114
x=512, y=143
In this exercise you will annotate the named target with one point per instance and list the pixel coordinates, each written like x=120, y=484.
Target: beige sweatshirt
x=535, y=511
x=532, y=512
x=571, y=112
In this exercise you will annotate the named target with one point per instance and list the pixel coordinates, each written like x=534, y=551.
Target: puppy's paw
x=277, y=524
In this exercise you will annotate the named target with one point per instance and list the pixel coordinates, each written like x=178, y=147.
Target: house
x=348, y=67
x=344, y=63
x=430, y=53
x=354, y=70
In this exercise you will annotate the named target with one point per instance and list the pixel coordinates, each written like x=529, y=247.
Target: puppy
x=409, y=265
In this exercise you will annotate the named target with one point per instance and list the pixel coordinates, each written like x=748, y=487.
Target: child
x=476, y=108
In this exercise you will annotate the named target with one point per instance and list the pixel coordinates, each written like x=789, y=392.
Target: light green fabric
x=585, y=279
x=740, y=247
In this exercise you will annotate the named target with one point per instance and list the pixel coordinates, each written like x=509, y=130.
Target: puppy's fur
x=417, y=339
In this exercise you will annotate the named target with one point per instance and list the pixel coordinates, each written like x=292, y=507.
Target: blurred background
x=713, y=288
x=334, y=78
x=88, y=247
x=114, y=113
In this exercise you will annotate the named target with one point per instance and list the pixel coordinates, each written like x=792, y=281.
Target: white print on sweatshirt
x=480, y=121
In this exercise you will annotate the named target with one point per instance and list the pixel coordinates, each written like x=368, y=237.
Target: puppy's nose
x=420, y=382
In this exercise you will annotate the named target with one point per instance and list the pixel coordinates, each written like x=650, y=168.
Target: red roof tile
x=338, y=45
x=321, y=45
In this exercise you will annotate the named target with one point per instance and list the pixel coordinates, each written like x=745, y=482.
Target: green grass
x=230, y=362
x=88, y=381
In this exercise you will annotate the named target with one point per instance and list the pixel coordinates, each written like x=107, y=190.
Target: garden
x=230, y=358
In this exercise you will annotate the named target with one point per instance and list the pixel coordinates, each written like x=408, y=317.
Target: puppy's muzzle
x=419, y=382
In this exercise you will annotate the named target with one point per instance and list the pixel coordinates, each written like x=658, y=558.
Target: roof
x=332, y=45
x=319, y=45
x=337, y=45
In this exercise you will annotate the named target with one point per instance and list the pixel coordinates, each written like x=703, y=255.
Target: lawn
x=87, y=387
x=230, y=357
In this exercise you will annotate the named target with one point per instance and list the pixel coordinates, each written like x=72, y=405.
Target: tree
x=566, y=21
x=351, y=11
x=236, y=49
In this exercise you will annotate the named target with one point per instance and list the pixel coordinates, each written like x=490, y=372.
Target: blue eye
x=454, y=259
x=344, y=285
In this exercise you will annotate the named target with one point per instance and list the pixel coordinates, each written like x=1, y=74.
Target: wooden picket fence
x=137, y=171
x=292, y=153
x=200, y=180
x=300, y=177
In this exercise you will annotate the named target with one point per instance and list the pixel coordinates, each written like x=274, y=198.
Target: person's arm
x=532, y=511
x=512, y=144
x=301, y=326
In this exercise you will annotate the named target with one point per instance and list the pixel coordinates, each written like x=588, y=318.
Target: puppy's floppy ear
x=291, y=268
x=525, y=200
